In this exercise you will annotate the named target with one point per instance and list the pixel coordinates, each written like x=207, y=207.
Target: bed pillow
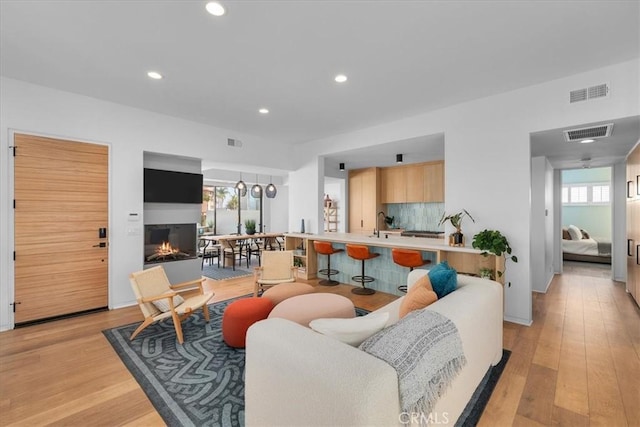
x=575, y=232
x=351, y=331
x=565, y=234
x=585, y=235
x=419, y=296
x=444, y=279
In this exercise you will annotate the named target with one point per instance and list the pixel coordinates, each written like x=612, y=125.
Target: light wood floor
x=578, y=364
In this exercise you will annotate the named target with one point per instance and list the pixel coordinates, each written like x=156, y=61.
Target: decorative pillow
x=444, y=279
x=418, y=297
x=585, y=235
x=351, y=331
x=163, y=304
x=565, y=234
x=575, y=232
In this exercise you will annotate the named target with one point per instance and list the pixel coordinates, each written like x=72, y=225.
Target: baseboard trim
x=518, y=320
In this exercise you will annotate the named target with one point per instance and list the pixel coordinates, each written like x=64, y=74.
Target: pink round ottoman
x=283, y=291
x=241, y=314
x=303, y=309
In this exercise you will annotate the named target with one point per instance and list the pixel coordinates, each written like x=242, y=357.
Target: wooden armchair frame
x=153, y=285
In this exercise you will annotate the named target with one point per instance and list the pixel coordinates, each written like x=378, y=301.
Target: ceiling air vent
x=234, y=142
x=597, y=91
x=592, y=132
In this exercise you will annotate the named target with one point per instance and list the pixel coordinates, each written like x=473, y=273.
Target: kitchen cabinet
x=393, y=187
x=633, y=223
x=415, y=183
x=433, y=182
x=364, y=199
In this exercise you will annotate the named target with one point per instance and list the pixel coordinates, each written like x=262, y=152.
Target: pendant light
x=271, y=189
x=256, y=190
x=240, y=185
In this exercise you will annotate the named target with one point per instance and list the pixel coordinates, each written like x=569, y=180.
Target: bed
x=586, y=249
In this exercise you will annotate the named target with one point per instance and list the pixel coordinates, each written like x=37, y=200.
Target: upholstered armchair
x=158, y=299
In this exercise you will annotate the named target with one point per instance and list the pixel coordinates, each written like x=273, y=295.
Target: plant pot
x=251, y=231
x=456, y=239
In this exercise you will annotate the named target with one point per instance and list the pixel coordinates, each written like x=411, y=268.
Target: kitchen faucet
x=377, y=232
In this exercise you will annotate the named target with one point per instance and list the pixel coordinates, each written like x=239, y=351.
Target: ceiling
x=401, y=58
x=603, y=152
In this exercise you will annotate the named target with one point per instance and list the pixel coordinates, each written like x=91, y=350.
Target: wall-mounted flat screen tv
x=162, y=186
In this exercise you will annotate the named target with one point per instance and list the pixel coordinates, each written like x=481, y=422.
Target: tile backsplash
x=416, y=216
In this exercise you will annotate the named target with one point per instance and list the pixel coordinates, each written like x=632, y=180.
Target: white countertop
x=393, y=241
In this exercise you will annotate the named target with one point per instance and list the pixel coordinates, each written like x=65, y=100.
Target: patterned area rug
x=201, y=383
x=215, y=273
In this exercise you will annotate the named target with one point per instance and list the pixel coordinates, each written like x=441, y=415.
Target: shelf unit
x=330, y=219
x=305, y=253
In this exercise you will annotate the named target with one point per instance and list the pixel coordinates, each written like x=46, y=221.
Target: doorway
x=587, y=223
x=61, y=253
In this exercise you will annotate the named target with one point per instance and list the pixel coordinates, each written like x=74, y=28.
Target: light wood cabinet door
x=434, y=182
x=393, y=185
x=364, y=199
x=415, y=183
x=355, y=202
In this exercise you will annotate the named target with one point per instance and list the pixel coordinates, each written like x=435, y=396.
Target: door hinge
x=13, y=148
x=14, y=255
x=14, y=305
x=14, y=203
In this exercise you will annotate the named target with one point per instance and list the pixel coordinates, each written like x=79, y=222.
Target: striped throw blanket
x=425, y=349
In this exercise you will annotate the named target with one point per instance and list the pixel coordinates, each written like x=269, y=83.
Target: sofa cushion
x=419, y=296
x=351, y=331
x=565, y=234
x=444, y=279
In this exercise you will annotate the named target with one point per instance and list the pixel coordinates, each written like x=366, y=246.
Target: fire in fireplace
x=169, y=242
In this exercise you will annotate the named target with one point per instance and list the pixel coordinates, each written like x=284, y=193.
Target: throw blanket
x=425, y=349
x=604, y=248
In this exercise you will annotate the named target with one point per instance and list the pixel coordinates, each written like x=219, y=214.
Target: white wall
x=306, y=192
x=487, y=156
x=619, y=240
x=541, y=224
x=129, y=132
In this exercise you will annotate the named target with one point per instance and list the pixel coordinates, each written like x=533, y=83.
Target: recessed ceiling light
x=154, y=75
x=340, y=78
x=263, y=111
x=587, y=141
x=215, y=8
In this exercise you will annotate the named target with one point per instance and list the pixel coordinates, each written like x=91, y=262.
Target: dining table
x=235, y=244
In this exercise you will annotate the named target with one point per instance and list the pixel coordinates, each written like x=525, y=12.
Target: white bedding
x=580, y=247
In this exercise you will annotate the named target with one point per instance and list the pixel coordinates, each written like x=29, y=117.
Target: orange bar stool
x=325, y=248
x=408, y=258
x=361, y=252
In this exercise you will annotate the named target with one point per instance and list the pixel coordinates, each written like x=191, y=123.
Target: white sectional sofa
x=297, y=377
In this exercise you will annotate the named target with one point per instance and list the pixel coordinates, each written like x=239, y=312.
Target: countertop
x=392, y=241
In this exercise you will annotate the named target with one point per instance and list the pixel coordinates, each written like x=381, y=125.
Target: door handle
x=629, y=247
x=101, y=245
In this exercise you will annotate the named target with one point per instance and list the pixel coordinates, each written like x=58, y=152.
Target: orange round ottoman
x=241, y=314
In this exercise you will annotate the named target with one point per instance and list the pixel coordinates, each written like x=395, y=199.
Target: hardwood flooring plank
x=563, y=417
x=538, y=394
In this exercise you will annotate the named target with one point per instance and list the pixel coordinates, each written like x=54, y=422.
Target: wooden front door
x=61, y=203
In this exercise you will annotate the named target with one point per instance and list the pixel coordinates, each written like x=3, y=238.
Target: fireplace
x=169, y=242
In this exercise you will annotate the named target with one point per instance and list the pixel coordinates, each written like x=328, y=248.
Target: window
x=600, y=194
x=585, y=194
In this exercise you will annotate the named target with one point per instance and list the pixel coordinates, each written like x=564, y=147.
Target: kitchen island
x=388, y=275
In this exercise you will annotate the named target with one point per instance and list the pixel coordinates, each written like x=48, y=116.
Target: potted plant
x=486, y=273
x=389, y=221
x=250, y=226
x=457, y=238
x=494, y=242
